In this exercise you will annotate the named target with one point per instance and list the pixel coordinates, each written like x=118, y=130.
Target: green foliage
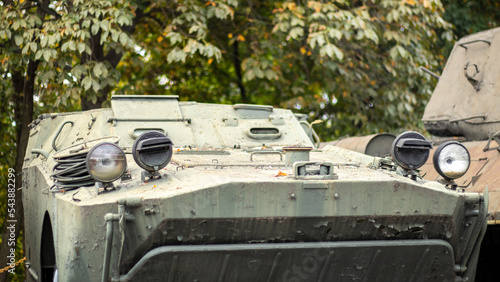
x=352, y=64
x=468, y=17
x=471, y=16
x=64, y=43
x=57, y=51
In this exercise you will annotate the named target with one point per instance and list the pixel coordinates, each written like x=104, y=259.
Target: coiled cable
x=71, y=172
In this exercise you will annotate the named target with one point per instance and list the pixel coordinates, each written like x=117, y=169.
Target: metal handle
x=311, y=133
x=316, y=138
x=40, y=152
x=115, y=120
x=474, y=41
x=58, y=132
x=468, y=118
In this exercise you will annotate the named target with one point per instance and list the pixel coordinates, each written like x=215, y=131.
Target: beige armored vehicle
x=465, y=108
x=153, y=189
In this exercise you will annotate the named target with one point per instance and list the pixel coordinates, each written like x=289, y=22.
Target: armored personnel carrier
x=153, y=189
x=464, y=108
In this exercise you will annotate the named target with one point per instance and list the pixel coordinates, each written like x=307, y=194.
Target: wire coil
x=70, y=172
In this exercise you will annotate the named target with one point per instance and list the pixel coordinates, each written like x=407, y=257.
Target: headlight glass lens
x=106, y=162
x=451, y=160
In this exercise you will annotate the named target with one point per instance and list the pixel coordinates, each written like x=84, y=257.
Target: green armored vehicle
x=153, y=189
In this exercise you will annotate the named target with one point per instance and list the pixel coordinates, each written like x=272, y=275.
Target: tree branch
x=237, y=67
x=46, y=8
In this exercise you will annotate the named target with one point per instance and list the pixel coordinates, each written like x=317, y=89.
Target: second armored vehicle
x=464, y=108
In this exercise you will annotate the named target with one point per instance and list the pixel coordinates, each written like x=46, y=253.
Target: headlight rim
x=397, y=153
x=89, y=155
x=139, y=158
x=435, y=159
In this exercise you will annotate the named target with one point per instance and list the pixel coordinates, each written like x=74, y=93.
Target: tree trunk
x=112, y=57
x=239, y=74
x=102, y=96
x=23, y=116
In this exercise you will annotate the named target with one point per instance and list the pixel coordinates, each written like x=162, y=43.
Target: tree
x=468, y=17
x=352, y=64
x=62, y=53
x=471, y=16
x=8, y=135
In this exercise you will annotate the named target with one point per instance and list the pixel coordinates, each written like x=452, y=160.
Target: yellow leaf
x=159, y=39
x=410, y=2
x=210, y=61
x=303, y=50
x=241, y=38
x=230, y=36
x=280, y=173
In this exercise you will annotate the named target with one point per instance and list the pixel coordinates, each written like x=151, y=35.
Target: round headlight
x=451, y=160
x=106, y=162
x=410, y=150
